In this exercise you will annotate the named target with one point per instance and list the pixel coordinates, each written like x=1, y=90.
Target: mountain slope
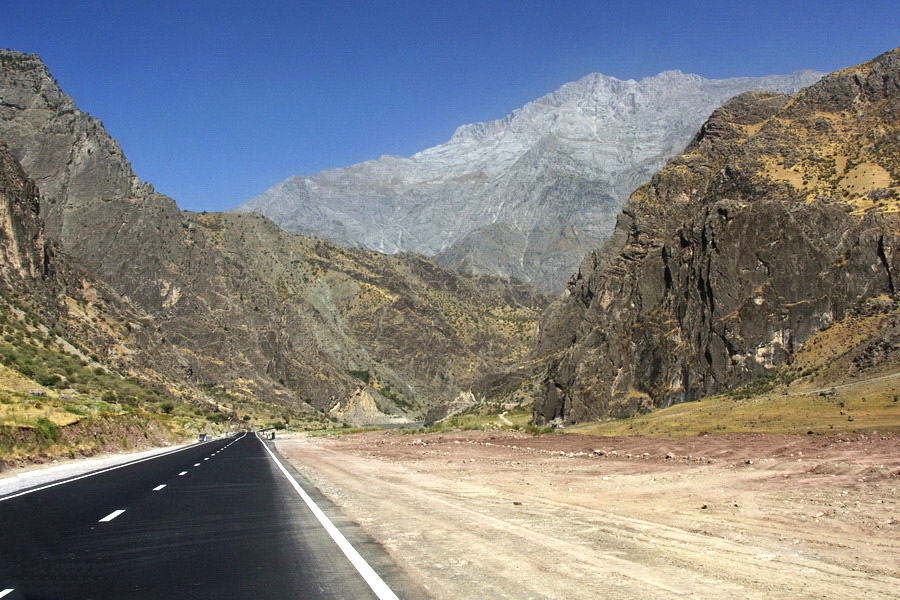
x=230, y=300
x=524, y=196
x=780, y=217
x=57, y=396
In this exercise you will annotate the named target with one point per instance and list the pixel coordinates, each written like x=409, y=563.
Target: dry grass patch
x=18, y=412
x=13, y=381
x=771, y=413
x=865, y=177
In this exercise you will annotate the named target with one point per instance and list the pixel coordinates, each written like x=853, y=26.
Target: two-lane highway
x=220, y=519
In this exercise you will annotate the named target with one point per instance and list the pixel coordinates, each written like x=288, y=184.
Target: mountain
x=781, y=218
x=58, y=397
x=231, y=303
x=526, y=196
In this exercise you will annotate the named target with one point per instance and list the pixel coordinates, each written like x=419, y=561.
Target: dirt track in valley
x=503, y=514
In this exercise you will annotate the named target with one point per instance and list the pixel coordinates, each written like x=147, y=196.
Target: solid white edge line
x=159, y=487
x=86, y=475
x=6, y=592
x=111, y=516
x=381, y=589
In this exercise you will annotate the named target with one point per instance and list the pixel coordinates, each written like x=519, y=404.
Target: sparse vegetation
x=47, y=431
x=768, y=413
x=343, y=430
x=47, y=389
x=363, y=376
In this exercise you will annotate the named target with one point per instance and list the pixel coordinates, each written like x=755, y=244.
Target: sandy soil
x=506, y=515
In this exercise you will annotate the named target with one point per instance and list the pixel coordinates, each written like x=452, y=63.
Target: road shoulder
x=374, y=553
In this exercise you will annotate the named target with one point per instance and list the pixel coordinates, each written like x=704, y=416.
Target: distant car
x=202, y=437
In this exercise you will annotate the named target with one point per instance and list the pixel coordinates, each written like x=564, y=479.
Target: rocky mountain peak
x=67, y=152
x=523, y=196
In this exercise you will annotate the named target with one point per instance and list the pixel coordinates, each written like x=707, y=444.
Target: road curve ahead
x=219, y=519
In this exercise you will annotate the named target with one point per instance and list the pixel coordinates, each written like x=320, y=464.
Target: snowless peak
x=526, y=195
x=671, y=74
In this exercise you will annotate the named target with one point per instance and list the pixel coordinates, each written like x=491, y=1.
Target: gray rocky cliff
x=525, y=196
x=65, y=151
x=780, y=216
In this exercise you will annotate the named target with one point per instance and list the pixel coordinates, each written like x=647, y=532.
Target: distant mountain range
x=526, y=196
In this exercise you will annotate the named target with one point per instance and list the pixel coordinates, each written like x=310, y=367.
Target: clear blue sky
x=213, y=102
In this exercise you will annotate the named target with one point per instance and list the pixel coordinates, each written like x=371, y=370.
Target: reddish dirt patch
x=507, y=515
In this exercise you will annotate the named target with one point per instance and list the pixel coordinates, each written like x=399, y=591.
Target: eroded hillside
x=232, y=303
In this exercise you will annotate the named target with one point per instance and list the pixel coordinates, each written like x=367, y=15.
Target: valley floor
x=502, y=514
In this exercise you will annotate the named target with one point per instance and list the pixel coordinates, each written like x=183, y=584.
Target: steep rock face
x=23, y=254
x=524, y=196
x=68, y=153
x=780, y=215
x=231, y=299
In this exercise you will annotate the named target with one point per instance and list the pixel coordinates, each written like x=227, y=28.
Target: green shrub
x=48, y=379
x=364, y=376
x=536, y=430
x=756, y=387
x=46, y=430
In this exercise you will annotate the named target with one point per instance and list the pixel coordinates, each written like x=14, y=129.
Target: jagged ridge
x=524, y=196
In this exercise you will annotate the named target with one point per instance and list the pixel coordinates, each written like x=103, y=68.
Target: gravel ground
x=506, y=515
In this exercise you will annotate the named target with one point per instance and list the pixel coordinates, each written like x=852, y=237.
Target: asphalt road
x=215, y=520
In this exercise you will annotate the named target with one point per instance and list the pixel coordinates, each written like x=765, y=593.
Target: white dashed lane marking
x=159, y=487
x=111, y=516
x=182, y=473
x=6, y=592
x=92, y=473
x=196, y=464
x=207, y=458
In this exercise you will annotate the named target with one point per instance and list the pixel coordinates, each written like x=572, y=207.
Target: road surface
x=219, y=519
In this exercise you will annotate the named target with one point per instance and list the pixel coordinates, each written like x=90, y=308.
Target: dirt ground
x=503, y=514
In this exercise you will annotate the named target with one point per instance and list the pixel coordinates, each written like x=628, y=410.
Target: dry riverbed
x=506, y=515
